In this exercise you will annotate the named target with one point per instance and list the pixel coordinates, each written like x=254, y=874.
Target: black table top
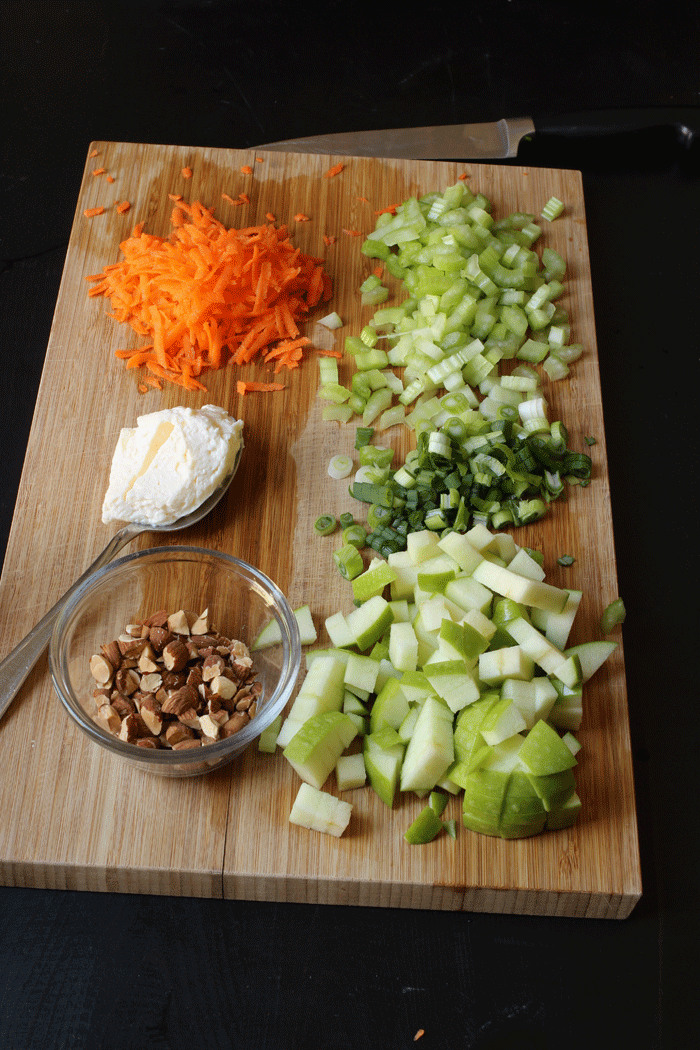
x=115, y=972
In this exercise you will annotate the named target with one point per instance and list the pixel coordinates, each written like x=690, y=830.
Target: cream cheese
x=169, y=463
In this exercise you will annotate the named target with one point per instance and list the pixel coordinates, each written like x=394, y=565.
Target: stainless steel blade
x=497, y=140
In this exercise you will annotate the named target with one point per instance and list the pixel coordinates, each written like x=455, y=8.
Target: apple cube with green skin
x=484, y=798
x=322, y=690
x=424, y=828
x=522, y=814
x=271, y=634
x=458, y=547
x=350, y=772
x=567, y=711
x=383, y=767
x=591, y=655
x=405, y=576
x=319, y=811
x=316, y=747
x=422, y=545
x=543, y=751
x=403, y=646
x=525, y=565
x=361, y=673
x=430, y=750
x=557, y=626
x=339, y=631
x=370, y=621
x=390, y=706
x=537, y=647
x=503, y=720
x=521, y=589
x=496, y=665
x=467, y=593
x=373, y=580
x=452, y=681
x=435, y=573
x=554, y=789
x=566, y=815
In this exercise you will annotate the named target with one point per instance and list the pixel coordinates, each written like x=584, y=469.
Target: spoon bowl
x=16, y=667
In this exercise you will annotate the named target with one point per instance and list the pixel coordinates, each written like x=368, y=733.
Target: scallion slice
x=326, y=524
x=340, y=466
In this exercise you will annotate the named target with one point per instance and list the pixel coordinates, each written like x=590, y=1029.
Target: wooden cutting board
x=75, y=817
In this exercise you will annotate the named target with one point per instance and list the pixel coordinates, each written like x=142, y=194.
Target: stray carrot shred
x=124, y=206
x=335, y=170
x=328, y=240
x=419, y=1033
x=209, y=296
x=109, y=178
x=390, y=209
x=99, y=171
x=187, y=173
x=463, y=176
x=329, y=353
x=246, y=170
x=270, y=217
x=300, y=217
x=175, y=197
x=378, y=271
x=259, y=160
x=243, y=387
x=93, y=153
x=89, y=213
x=226, y=197
x=363, y=199
x=142, y=388
x=244, y=198
x=352, y=233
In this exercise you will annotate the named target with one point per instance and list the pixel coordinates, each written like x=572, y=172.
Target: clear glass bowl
x=241, y=600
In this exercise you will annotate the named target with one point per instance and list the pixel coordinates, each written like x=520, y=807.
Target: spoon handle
x=15, y=668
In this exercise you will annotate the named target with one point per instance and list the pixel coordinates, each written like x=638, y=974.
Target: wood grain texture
x=74, y=817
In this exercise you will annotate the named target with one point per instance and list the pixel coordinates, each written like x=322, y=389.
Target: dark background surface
x=110, y=972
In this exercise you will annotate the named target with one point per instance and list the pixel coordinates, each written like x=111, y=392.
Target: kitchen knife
x=497, y=140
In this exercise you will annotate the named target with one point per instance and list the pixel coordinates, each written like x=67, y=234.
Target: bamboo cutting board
x=74, y=817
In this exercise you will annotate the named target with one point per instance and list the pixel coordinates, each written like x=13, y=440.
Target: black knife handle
x=684, y=120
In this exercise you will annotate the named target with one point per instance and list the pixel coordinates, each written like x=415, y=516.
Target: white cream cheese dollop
x=169, y=463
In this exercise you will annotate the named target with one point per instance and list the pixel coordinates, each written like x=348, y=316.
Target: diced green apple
x=484, y=798
x=267, y=742
x=566, y=815
x=315, y=748
x=424, y=828
x=544, y=752
x=458, y=547
x=403, y=646
x=496, y=665
x=521, y=589
x=361, y=673
x=390, y=706
x=503, y=721
x=467, y=593
x=383, y=768
x=422, y=545
x=369, y=622
x=271, y=634
x=452, y=680
x=350, y=772
x=557, y=626
x=319, y=811
x=339, y=631
x=430, y=750
x=592, y=656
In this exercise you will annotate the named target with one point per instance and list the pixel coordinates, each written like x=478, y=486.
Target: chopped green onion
x=326, y=524
x=340, y=466
x=346, y=520
x=612, y=616
x=355, y=535
x=566, y=559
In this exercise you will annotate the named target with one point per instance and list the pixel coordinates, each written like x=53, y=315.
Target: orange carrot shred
x=124, y=206
x=463, y=176
x=300, y=217
x=99, y=171
x=93, y=153
x=390, y=209
x=243, y=387
x=352, y=233
x=329, y=353
x=328, y=240
x=363, y=199
x=244, y=198
x=187, y=173
x=226, y=197
x=378, y=271
x=175, y=197
x=335, y=170
x=246, y=170
x=89, y=213
x=208, y=296
x=259, y=160
x=110, y=178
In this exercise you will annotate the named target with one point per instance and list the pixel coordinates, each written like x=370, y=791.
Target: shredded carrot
x=175, y=197
x=99, y=171
x=378, y=271
x=419, y=1033
x=270, y=217
x=352, y=233
x=328, y=240
x=124, y=206
x=244, y=387
x=142, y=388
x=246, y=170
x=226, y=197
x=335, y=170
x=259, y=160
x=300, y=217
x=363, y=199
x=390, y=209
x=110, y=178
x=93, y=153
x=244, y=198
x=187, y=173
x=330, y=353
x=89, y=213
x=463, y=176
x=207, y=296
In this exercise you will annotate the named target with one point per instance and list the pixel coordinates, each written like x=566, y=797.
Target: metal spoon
x=15, y=668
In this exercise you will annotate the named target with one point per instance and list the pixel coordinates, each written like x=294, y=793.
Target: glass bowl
x=240, y=599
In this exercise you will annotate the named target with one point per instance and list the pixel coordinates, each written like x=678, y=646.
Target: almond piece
x=101, y=669
x=177, y=732
x=223, y=687
x=151, y=683
x=178, y=623
x=109, y=718
x=201, y=624
x=181, y=700
x=175, y=655
x=152, y=715
x=235, y=724
x=209, y=727
x=113, y=654
x=159, y=638
x=127, y=681
x=213, y=666
x=148, y=661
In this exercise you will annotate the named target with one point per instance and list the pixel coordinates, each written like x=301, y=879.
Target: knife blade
x=495, y=140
